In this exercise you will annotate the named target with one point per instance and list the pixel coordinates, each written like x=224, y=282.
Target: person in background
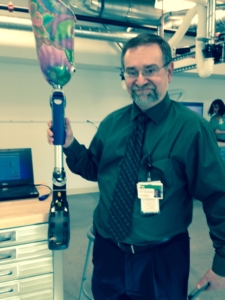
x=217, y=120
x=147, y=257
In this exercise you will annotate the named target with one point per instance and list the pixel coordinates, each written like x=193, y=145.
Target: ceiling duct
x=138, y=11
x=128, y=12
x=113, y=18
x=142, y=12
x=26, y=25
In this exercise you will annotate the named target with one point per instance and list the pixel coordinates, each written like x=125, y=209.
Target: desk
x=23, y=234
x=16, y=213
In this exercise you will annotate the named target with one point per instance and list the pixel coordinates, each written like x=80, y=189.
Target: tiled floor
x=81, y=209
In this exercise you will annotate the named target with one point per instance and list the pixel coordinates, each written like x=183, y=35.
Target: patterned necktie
x=121, y=210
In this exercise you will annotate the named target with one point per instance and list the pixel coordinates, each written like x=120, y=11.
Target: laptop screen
x=16, y=167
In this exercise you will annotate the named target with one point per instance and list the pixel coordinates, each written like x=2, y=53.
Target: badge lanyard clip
x=149, y=173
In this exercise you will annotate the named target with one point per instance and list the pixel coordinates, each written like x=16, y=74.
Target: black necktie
x=121, y=210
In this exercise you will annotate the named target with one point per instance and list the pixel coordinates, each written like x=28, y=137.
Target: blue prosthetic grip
x=58, y=103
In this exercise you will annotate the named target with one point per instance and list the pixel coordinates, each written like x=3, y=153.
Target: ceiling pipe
x=180, y=13
x=204, y=65
x=16, y=8
x=135, y=23
x=178, y=36
x=26, y=25
x=137, y=11
x=119, y=37
x=211, y=21
x=135, y=14
x=170, y=22
x=85, y=18
x=164, y=19
x=15, y=23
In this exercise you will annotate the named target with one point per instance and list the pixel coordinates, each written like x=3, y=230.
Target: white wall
x=200, y=89
x=25, y=110
x=92, y=93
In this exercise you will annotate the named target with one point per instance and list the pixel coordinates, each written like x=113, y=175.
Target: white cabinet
x=22, y=235
x=41, y=295
x=27, y=265
x=27, y=268
x=25, y=286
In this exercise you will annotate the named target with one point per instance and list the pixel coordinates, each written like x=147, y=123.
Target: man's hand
x=215, y=281
x=69, y=134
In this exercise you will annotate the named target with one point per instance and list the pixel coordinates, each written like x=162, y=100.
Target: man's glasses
x=147, y=72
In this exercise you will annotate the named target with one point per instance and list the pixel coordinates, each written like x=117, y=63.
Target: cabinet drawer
x=24, y=269
x=43, y=295
x=26, y=286
x=22, y=235
x=24, y=252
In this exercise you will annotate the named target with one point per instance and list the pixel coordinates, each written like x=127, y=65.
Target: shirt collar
x=154, y=113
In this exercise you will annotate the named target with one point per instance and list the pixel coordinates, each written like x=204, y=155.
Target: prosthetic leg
x=59, y=222
x=53, y=26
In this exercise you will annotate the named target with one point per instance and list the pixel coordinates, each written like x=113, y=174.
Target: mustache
x=143, y=87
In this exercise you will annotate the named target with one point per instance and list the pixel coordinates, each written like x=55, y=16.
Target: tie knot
x=142, y=118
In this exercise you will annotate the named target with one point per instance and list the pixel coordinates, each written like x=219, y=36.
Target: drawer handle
x=6, y=291
x=6, y=256
x=6, y=274
x=5, y=239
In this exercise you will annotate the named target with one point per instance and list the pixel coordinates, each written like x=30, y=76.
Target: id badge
x=149, y=206
x=150, y=194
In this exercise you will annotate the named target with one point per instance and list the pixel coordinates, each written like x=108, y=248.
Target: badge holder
x=150, y=193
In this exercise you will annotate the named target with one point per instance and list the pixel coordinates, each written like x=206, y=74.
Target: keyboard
x=18, y=192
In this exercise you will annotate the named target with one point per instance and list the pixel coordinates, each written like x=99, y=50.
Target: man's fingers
x=49, y=132
x=68, y=126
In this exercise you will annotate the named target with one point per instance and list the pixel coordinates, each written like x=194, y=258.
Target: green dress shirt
x=183, y=153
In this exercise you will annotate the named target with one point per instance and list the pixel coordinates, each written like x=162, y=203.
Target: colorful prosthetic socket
x=53, y=26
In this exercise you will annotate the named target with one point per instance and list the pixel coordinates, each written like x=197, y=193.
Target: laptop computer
x=16, y=174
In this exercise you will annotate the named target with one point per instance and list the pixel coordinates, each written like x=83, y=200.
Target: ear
x=170, y=69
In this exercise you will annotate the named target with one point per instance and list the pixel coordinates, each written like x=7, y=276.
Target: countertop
x=25, y=212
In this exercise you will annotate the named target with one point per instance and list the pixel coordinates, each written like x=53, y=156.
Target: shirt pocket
x=168, y=171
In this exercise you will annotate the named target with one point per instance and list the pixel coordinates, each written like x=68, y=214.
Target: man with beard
x=141, y=248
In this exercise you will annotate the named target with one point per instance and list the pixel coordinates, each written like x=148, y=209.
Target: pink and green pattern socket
x=53, y=26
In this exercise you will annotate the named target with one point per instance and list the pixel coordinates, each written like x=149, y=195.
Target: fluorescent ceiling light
x=173, y=5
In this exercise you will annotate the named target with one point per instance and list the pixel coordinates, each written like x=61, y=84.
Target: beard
x=145, y=96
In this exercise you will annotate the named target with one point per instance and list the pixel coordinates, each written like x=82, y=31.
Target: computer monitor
x=195, y=106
